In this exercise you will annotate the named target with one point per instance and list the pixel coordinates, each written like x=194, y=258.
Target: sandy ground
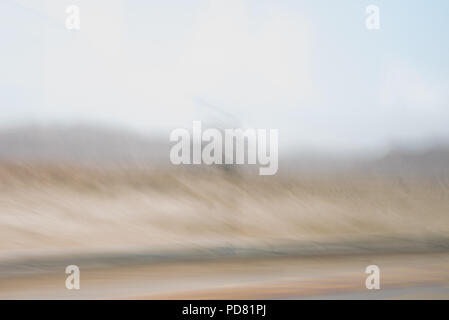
x=51, y=213
x=59, y=209
x=424, y=276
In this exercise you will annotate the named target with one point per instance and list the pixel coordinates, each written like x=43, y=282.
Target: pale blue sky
x=308, y=68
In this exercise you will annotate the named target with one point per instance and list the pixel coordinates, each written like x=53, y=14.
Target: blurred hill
x=81, y=145
x=107, y=146
x=431, y=161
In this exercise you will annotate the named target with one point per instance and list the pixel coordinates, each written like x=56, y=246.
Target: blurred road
x=405, y=276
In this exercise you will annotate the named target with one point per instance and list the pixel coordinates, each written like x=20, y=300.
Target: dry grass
x=52, y=208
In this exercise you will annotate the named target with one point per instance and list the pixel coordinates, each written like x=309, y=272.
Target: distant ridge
x=431, y=161
x=81, y=145
x=109, y=146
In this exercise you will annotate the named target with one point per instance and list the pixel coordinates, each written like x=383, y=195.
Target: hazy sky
x=308, y=68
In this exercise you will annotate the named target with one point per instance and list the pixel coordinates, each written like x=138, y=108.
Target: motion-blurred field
x=51, y=209
x=138, y=226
